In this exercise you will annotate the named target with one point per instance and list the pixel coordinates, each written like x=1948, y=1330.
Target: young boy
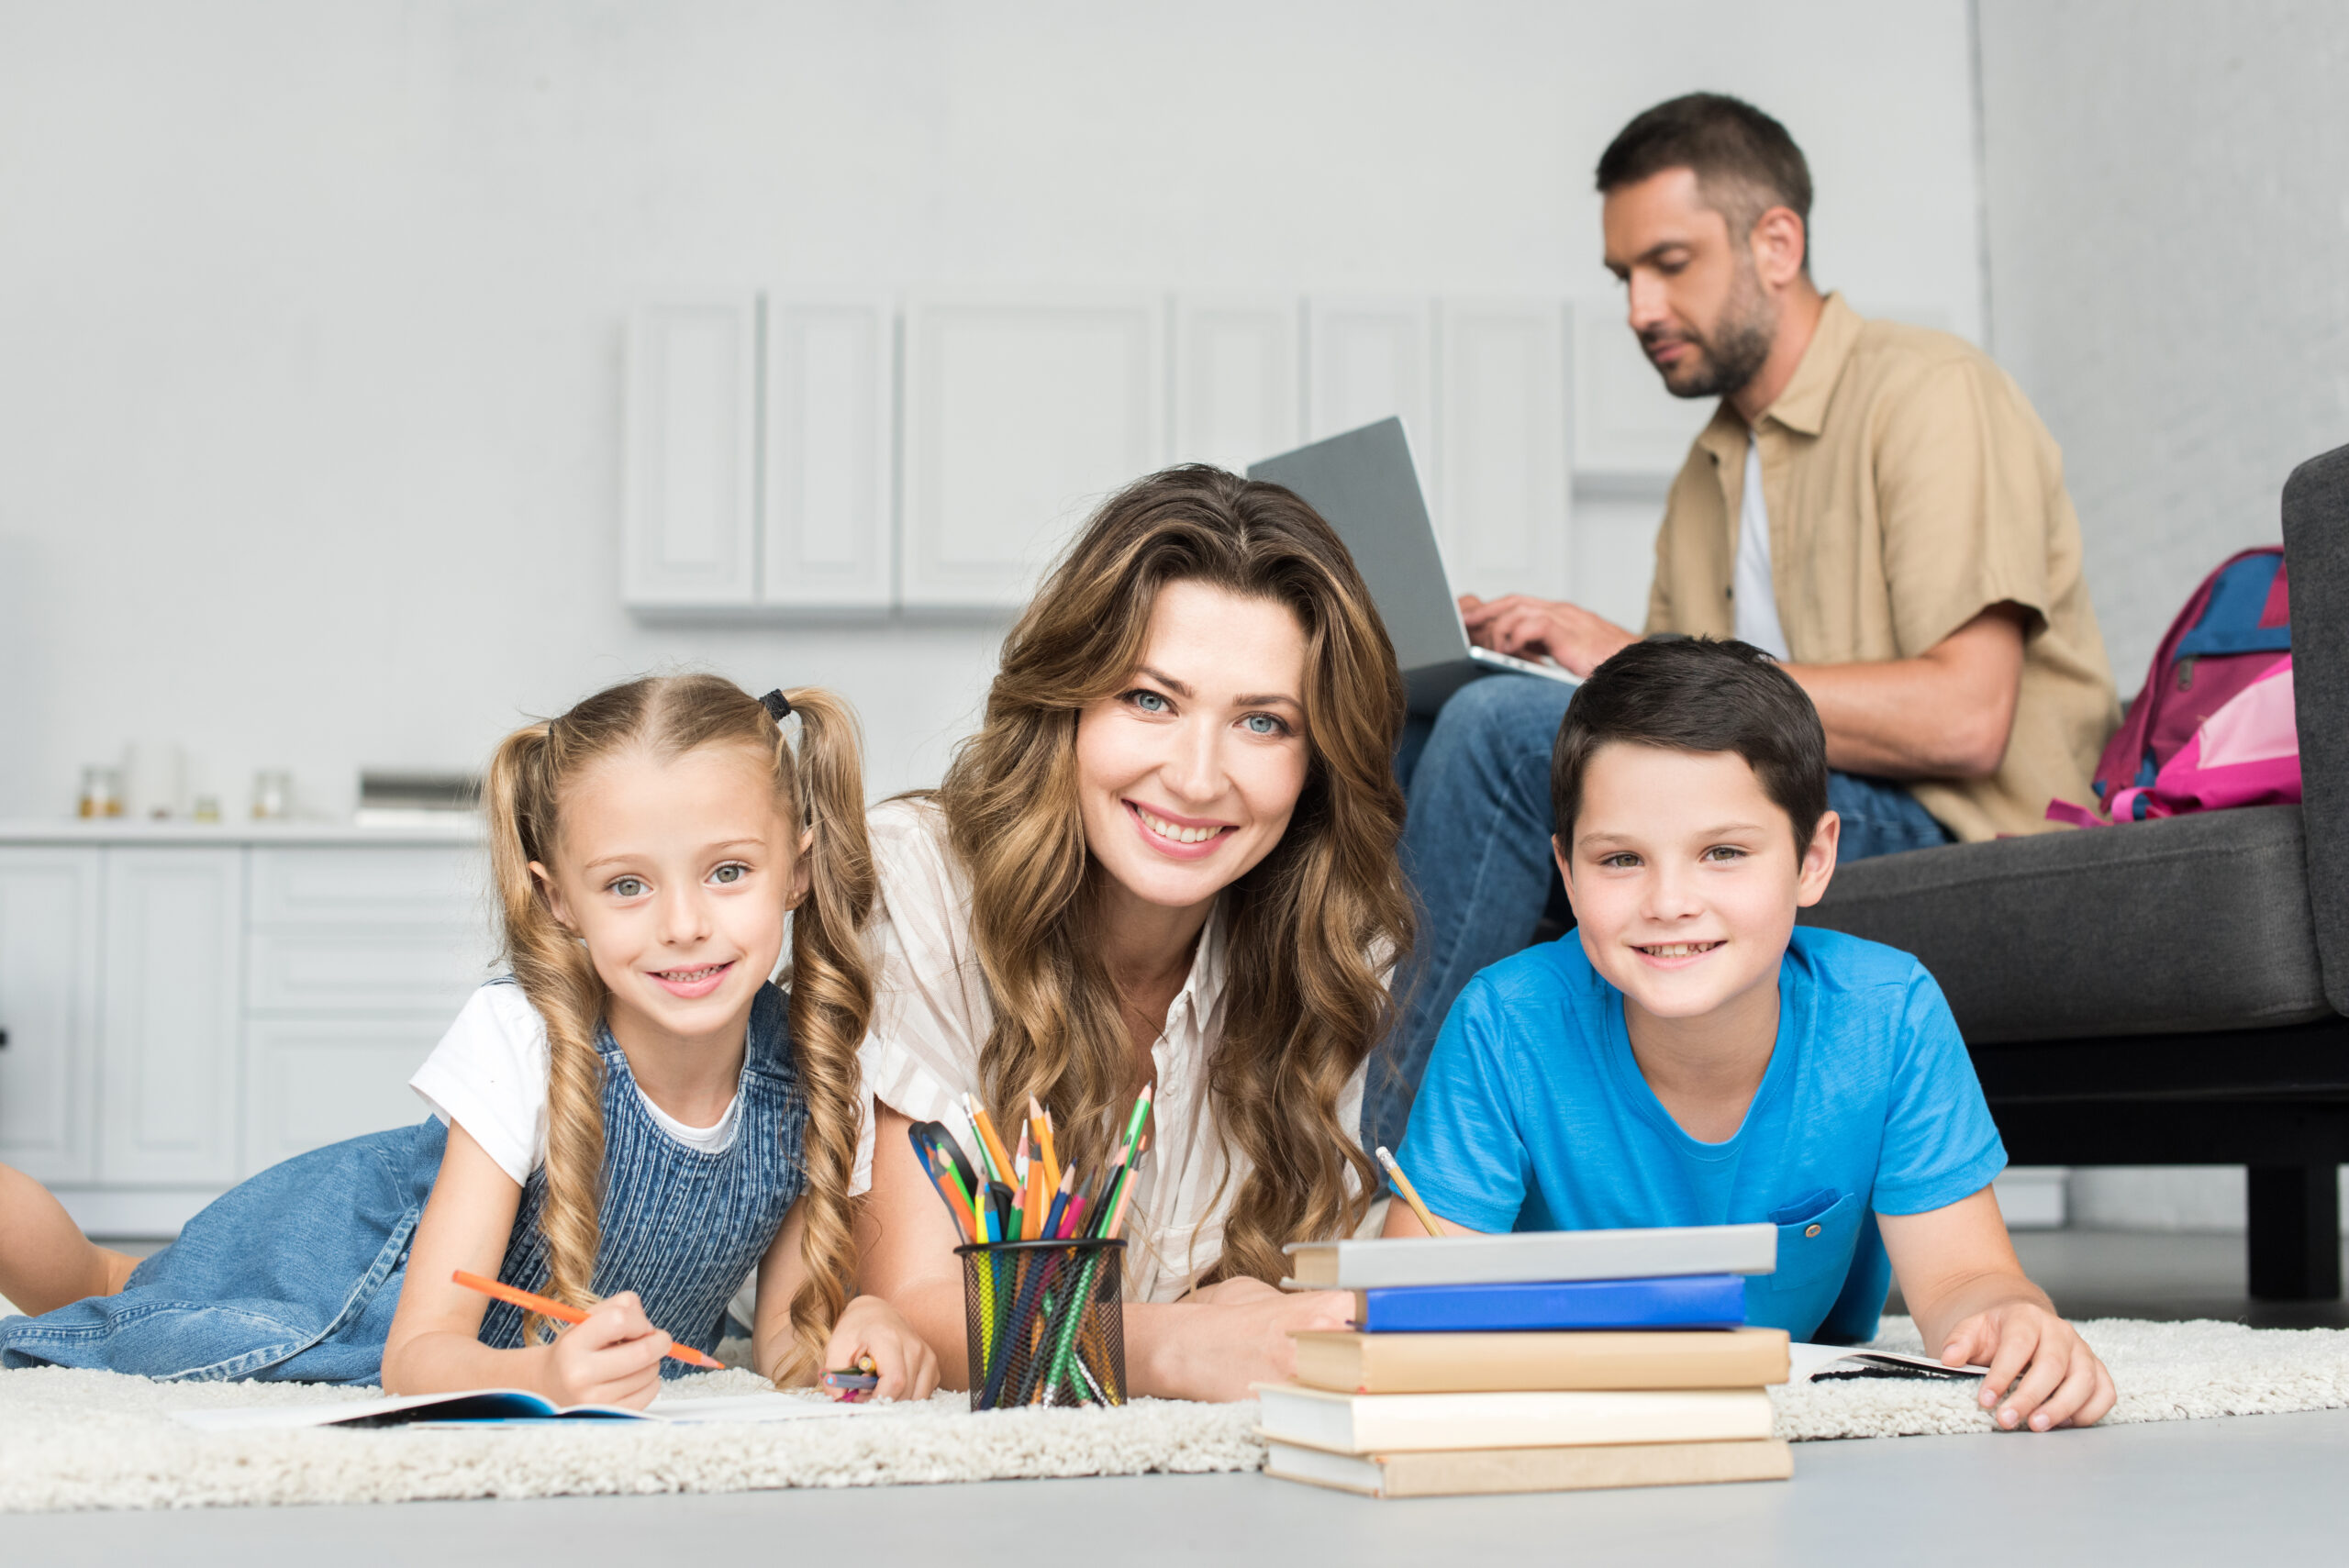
x=1688, y=1056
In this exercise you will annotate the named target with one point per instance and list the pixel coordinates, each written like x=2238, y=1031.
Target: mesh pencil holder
x=1045, y=1322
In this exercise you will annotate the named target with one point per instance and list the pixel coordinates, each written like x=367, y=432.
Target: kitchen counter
x=230, y=833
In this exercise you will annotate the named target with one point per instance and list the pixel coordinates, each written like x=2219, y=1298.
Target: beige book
x=1464, y=1363
x=1466, y=1471
x=1372, y=1423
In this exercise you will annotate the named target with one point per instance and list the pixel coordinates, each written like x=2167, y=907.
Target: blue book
x=1685, y=1301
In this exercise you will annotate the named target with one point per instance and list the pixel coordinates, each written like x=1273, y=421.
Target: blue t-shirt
x=1533, y=1116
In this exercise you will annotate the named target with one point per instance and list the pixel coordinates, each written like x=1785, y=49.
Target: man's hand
x=2046, y=1372
x=1528, y=627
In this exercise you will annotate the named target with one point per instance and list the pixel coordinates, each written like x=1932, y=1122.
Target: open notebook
x=493, y=1407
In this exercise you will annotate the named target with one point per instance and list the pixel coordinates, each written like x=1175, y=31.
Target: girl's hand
x=902, y=1359
x=613, y=1358
x=2046, y=1372
x=1240, y=1334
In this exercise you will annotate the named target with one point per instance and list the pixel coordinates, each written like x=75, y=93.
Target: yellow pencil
x=1410, y=1194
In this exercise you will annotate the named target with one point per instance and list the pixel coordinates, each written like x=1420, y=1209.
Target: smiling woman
x=1168, y=858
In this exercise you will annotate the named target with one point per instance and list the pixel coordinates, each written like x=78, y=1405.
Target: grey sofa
x=2170, y=992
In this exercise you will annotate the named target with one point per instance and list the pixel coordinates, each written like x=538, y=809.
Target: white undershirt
x=488, y=1075
x=1757, y=597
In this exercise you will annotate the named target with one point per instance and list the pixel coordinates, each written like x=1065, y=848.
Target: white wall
x=309, y=314
x=2168, y=190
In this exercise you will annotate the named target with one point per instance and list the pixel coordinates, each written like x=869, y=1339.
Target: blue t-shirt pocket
x=1816, y=1234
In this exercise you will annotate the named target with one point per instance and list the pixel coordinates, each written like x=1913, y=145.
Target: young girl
x=630, y=1124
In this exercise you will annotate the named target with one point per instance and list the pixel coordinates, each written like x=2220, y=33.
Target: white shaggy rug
x=87, y=1440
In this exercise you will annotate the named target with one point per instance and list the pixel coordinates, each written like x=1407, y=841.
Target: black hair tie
x=778, y=707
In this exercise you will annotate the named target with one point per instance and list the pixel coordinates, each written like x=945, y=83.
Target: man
x=1875, y=505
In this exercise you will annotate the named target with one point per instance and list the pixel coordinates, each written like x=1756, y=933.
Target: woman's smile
x=1183, y=836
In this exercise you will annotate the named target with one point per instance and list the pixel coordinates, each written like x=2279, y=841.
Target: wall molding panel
x=1370, y=358
x=1502, y=506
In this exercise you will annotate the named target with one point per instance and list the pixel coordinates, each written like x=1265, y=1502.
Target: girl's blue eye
x=728, y=873
x=628, y=886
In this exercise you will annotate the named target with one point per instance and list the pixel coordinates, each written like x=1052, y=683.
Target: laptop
x=1364, y=482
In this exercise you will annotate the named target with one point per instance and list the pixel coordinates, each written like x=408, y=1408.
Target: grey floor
x=2247, y=1489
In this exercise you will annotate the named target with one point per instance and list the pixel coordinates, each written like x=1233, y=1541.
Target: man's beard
x=1733, y=354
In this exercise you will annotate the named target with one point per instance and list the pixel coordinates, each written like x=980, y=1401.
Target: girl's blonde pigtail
x=832, y=1006
x=555, y=974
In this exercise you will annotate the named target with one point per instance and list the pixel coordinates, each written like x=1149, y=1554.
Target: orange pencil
x=984, y=1127
x=1041, y=1121
x=562, y=1314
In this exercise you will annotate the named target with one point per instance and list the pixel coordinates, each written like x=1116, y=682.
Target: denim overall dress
x=293, y=1274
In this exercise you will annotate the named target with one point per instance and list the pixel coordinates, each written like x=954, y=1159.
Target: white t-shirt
x=1757, y=596
x=488, y=1075
x=931, y=1017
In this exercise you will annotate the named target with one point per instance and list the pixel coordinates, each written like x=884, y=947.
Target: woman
x=1168, y=858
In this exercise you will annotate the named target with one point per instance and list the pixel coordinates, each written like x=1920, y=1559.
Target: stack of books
x=1536, y=1362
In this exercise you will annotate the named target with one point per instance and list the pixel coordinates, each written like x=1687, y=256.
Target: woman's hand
x=902, y=1359
x=2046, y=1372
x=613, y=1358
x=1236, y=1334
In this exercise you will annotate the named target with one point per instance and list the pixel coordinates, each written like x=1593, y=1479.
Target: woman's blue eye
x=729, y=873
x=1263, y=724
x=628, y=886
x=1151, y=701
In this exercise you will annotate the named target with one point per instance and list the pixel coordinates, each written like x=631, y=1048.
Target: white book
x=1463, y=1472
x=1368, y=1423
x=1533, y=1255
x=491, y=1407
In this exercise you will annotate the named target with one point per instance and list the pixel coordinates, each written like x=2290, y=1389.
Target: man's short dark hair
x=1745, y=161
x=1692, y=693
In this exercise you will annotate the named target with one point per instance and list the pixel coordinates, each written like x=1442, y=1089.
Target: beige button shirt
x=931, y=1017
x=1910, y=487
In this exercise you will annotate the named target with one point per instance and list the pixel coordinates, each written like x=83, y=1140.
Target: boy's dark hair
x=1692, y=693
x=1745, y=161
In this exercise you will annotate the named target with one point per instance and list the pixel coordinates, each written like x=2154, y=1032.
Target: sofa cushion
x=2173, y=926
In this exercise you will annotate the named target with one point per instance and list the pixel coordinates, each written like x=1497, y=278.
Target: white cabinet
x=1501, y=505
x=1368, y=359
x=1021, y=415
x=185, y=1006
x=827, y=532
x=690, y=455
x=355, y=960
x=168, y=1039
x=49, y=1010
x=1239, y=386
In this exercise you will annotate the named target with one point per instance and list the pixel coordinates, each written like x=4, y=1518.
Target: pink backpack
x=2214, y=726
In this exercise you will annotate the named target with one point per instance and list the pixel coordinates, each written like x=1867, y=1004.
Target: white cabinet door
x=49, y=1009
x=1368, y=359
x=319, y=1081
x=1626, y=425
x=1501, y=509
x=373, y=887
x=691, y=430
x=168, y=1039
x=1239, y=393
x=830, y=521
x=1021, y=415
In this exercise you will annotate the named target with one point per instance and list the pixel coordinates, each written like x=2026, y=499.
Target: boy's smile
x=1685, y=881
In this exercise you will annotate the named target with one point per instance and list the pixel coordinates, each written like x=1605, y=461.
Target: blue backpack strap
x=2230, y=623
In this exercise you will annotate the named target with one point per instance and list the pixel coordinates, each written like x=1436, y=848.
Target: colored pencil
x=530, y=1302
x=998, y=1157
x=1041, y=1121
x=1410, y=1194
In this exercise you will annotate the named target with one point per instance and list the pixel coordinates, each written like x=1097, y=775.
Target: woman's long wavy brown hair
x=1310, y=930
x=821, y=787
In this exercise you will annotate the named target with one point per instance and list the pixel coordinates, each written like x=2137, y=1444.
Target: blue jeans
x=1476, y=848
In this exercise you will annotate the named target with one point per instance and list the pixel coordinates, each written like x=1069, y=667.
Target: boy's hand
x=613, y=1358
x=2049, y=1376
x=901, y=1359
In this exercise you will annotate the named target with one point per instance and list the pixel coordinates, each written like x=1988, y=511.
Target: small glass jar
x=273, y=794
x=208, y=809
x=101, y=792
